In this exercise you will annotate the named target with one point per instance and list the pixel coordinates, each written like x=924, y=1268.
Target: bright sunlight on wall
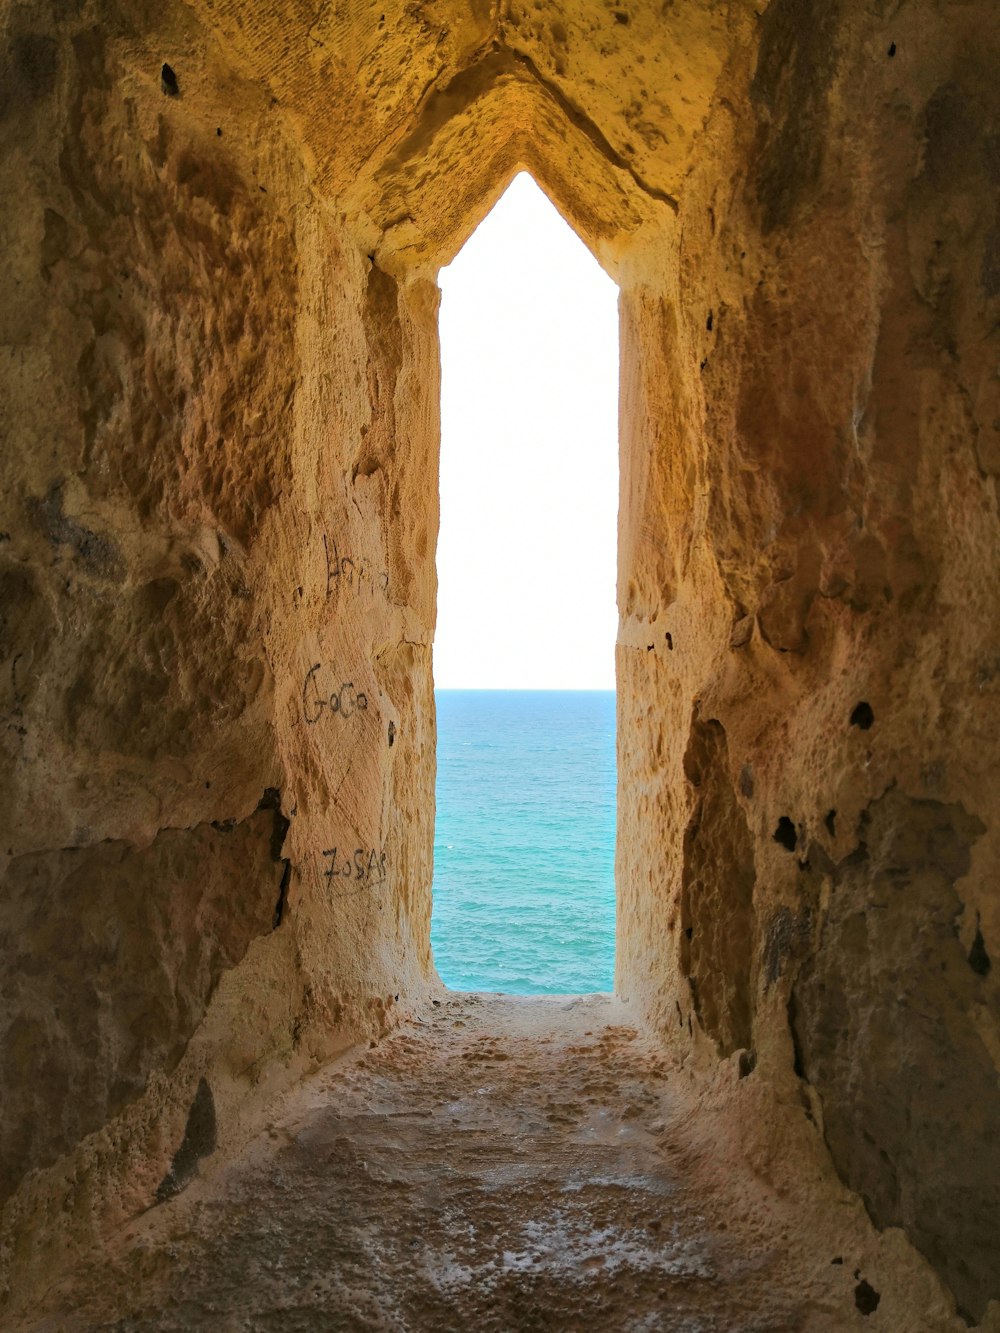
x=529, y=456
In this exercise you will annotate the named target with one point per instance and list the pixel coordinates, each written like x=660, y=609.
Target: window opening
x=524, y=648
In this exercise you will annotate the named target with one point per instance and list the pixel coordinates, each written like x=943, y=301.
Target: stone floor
x=504, y=1163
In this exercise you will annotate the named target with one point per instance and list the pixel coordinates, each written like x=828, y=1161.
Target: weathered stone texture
x=808, y=534
x=219, y=511
x=884, y=1017
x=716, y=903
x=113, y=953
x=191, y=522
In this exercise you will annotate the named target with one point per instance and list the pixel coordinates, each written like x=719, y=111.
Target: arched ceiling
x=416, y=115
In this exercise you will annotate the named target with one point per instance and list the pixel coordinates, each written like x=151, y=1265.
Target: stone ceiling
x=416, y=115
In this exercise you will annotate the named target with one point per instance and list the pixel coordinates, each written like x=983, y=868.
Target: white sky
x=529, y=456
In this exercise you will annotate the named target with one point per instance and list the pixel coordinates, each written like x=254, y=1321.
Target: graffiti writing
x=318, y=697
x=366, y=868
x=345, y=571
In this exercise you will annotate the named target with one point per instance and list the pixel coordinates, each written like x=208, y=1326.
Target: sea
x=524, y=842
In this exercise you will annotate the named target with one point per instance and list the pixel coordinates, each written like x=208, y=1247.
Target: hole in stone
x=523, y=888
x=862, y=716
x=392, y=733
x=892, y=50
x=831, y=823
x=747, y=1063
x=621, y=16
x=785, y=834
x=168, y=82
x=708, y=322
x=669, y=639
x=979, y=959
x=866, y=1298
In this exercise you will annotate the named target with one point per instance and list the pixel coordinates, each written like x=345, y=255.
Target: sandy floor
x=505, y=1163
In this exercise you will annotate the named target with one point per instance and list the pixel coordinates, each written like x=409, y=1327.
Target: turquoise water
x=524, y=845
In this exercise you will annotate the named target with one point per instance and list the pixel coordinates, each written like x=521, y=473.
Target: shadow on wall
x=717, y=911
x=883, y=1017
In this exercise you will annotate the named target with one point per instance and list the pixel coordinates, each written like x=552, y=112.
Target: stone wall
x=810, y=609
x=219, y=519
x=215, y=619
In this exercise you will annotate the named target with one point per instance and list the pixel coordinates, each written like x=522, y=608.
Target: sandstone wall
x=216, y=554
x=214, y=619
x=810, y=608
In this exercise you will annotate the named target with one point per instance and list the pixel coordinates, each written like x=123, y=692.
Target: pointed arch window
x=524, y=650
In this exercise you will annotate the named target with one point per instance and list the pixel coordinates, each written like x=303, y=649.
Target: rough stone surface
x=716, y=904
x=509, y=1164
x=114, y=957
x=218, y=515
x=891, y=976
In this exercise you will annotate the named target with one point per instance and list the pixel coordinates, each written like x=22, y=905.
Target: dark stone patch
x=55, y=242
x=862, y=716
x=795, y=65
x=279, y=907
x=883, y=1023
x=717, y=913
x=962, y=151
x=979, y=959
x=784, y=835
x=36, y=59
x=98, y=555
x=29, y=71
x=866, y=1298
x=798, y=1064
x=271, y=800
x=176, y=915
x=200, y=1138
x=784, y=937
